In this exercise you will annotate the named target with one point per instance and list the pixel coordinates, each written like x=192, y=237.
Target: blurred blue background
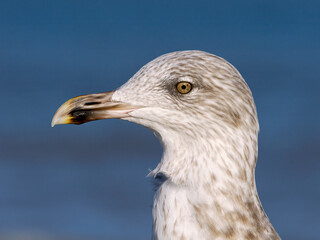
x=89, y=182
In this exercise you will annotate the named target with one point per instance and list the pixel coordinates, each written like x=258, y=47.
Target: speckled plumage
x=210, y=147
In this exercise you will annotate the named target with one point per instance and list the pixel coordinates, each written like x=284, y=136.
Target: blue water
x=89, y=181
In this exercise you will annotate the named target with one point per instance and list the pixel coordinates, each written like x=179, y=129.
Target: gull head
x=194, y=101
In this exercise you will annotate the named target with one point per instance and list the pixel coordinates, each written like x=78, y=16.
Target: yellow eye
x=184, y=87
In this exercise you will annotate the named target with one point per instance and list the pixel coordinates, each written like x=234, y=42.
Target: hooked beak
x=91, y=107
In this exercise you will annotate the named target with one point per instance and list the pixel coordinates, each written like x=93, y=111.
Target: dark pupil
x=183, y=86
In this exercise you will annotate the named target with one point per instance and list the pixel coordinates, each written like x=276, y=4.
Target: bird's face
x=180, y=92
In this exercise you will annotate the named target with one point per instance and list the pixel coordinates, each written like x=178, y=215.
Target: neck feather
x=210, y=190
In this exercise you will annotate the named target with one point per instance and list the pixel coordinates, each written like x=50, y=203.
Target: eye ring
x=184, y=87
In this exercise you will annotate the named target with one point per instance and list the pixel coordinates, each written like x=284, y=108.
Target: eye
x=184, y=87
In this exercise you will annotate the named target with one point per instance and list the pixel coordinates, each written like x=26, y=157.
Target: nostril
x=91, y=103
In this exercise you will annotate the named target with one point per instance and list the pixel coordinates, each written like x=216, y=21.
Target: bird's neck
x=182, y=212
x=209, y=193
x=219, y=160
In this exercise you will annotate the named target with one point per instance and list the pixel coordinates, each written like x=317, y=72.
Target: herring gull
x=204, y=114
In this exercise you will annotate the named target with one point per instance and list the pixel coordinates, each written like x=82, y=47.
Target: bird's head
x=179, y=90
x=184, y=95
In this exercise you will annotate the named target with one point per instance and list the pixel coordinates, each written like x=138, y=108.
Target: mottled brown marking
x=253, y=210
x=242, y=218
x=213, y=177
x=218, y=207
x=229, y=233
x=229, y=173
x=243, y=176
x=246, y=153
x=250, y=236
x=212, y=228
